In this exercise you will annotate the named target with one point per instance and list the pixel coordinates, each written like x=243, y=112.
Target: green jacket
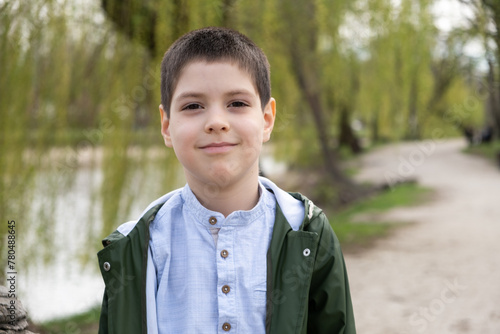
x=307, y=285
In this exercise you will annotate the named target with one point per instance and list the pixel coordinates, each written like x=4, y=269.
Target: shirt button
x=226, y=327
x=226, y=289
x=224, y=253
x=212, y=220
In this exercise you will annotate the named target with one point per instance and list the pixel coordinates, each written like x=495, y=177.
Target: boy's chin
x=227, y=178
x=223, y=178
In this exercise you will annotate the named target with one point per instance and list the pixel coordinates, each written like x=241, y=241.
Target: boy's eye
x=192, y=106
x=238, y=104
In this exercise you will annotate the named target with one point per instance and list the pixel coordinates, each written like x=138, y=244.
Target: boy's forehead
x=222, y=61
x=204, y=62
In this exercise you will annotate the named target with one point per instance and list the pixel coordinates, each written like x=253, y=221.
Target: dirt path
x=441, y=274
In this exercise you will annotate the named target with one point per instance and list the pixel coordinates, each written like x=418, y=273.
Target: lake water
x=57, y=281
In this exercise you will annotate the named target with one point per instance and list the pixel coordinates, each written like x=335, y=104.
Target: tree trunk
x=301, y=41
x=227, y=14
x=494, y=6
x=494, y=99
x=413, y=132
x=136, y=20
x=347, y=137
x=374, y=125
x=348, y=190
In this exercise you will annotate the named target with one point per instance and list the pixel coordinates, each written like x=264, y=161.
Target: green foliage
x=70, y=84
x=83, y=323
x=352, y=232
x=490, y=151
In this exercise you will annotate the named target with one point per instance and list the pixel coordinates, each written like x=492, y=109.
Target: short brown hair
x=214, y=44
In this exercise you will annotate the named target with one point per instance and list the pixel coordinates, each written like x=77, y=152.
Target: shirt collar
x=211, y=218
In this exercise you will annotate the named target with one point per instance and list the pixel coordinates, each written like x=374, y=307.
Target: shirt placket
x=226, y=281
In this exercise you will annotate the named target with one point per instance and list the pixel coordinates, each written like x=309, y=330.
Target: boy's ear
x=165, y=127
x=269, y=117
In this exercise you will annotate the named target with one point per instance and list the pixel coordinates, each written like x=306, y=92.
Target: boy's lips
x=217, y=147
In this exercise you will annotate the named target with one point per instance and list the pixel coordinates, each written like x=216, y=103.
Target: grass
x=489, y=151
x=82, y=323
x=353, y=233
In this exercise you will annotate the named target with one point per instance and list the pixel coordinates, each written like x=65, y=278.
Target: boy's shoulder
x=298, y=210
x=146, y=216
x=292, y=205
x=314, y=219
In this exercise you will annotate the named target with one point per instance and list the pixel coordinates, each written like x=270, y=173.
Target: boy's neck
x=243, y=195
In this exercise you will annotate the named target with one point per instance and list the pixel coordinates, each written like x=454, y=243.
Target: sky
x=450, y=14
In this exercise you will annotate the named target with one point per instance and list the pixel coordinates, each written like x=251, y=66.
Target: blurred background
x=80, y=146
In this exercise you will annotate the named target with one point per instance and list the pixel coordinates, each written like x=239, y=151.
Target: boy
x=230, y=252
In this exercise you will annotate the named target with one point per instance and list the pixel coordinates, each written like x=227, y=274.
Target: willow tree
x=408, y=71
x=315, y=66
x=16, y=175
x=486, y=24
x=156, y=24
x=309, y=35
x=39, y=90
x=160, y=22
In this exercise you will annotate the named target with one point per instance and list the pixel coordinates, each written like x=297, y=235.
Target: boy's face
x=216, y=125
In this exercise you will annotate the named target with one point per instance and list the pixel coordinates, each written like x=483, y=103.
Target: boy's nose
x=217, y=122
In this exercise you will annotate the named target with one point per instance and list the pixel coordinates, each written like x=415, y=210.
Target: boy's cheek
x=252, y=151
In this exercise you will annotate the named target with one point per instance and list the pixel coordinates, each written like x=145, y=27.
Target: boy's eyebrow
x=238, y=92
x=189, y=94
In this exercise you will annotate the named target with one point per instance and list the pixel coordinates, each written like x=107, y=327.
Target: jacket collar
x=293, y=206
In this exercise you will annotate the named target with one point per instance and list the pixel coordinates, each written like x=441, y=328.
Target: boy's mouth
x=217, y=147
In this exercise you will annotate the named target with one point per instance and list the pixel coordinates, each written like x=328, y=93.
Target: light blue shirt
x=292, y=209
x=210, y=270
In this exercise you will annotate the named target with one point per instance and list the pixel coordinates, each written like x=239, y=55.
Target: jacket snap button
x=306, y=252
x=106, y=266
x=226, y=289
x=212, y=220
x=226, y=327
